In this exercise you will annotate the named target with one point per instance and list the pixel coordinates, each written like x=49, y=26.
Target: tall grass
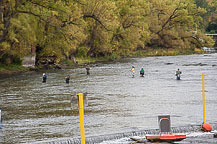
x=12, y=67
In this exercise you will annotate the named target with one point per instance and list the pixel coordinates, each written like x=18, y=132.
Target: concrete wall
x=29, y=61
x=107, y=137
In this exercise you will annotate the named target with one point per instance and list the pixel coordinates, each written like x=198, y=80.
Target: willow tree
x=174, y=24
x=53, y=26
x=16, y=33
x=100, y=21
x=63, y=29
x=132, y=31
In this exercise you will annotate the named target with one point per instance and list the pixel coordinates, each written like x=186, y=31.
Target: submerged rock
x=168, y=63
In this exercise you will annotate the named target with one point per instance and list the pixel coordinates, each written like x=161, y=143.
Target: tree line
x=97, y=28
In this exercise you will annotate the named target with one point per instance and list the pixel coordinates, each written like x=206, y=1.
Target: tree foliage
x=68, y=28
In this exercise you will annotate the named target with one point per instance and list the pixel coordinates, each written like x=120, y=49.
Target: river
x=115, y=102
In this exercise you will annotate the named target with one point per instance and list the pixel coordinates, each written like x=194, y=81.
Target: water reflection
x=34, y=111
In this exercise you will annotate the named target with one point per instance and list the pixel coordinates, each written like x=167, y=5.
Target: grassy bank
x=81, y=61
x=141, y=53
x=11, y=69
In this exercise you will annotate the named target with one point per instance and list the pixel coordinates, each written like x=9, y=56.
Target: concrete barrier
x=107, y=137
x=29, y=61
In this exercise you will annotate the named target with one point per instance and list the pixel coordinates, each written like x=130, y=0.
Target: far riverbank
x=13, y=69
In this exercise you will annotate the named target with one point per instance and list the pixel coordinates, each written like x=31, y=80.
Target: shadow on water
x=35, y=111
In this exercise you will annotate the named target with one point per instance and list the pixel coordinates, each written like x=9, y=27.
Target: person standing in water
x=133, y=71
x=142, y=72
x=178, y=74
x=88, y=69
x=67, y=79
x=44, y=78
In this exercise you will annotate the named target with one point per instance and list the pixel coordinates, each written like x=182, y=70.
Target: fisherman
x=178, y=74
x=44, y=78
x=133, y=71
x=67, y=79
x=142, y=72
x=88, y=69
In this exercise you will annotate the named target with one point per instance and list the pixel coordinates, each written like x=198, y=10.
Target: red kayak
x=165, y=138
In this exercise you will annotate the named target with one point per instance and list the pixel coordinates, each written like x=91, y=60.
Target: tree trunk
x=91, y=42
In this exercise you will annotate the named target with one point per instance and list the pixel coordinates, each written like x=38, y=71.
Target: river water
x=115, y=102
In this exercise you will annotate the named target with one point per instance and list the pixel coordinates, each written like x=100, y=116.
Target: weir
x=107, y=137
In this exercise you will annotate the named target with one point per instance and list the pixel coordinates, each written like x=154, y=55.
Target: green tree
x=175, y=23
x=16, y=33
x=100, y=22
x=132, y=31
x=54, y=26
x=66, y=28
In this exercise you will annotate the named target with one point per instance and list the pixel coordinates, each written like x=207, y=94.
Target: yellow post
x=203, y=98
x=81, y=113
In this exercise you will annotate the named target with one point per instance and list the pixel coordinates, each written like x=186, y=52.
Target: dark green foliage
x=10, y=59
x=212, y=28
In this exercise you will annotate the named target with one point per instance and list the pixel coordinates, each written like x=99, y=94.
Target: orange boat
x=165, y=138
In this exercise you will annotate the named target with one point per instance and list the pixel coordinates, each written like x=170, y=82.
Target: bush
x=10, y=59
x=82, y=51
x=17, y=61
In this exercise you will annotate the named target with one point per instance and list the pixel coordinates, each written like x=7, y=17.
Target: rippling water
x=116, y=102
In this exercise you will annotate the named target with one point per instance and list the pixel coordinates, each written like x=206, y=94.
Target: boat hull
x=165, y=138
